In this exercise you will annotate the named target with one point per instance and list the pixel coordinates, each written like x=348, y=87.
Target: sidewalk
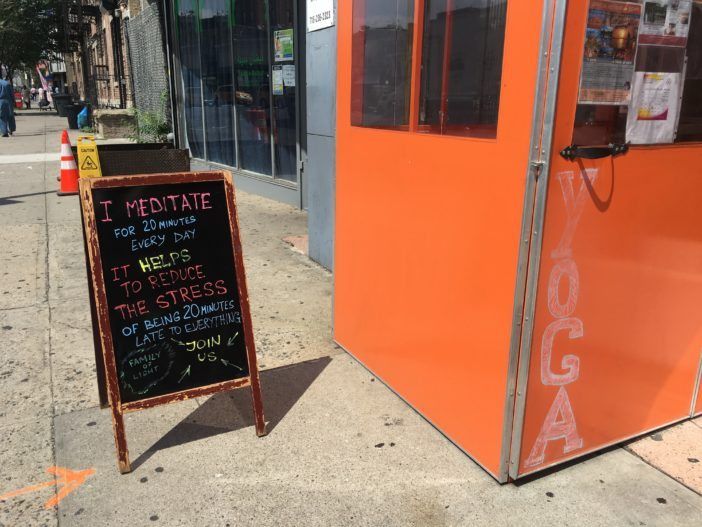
x=342, y=449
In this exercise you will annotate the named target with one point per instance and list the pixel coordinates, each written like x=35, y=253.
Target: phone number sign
x=320, y=14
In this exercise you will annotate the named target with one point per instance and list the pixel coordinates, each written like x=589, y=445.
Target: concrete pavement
x=342, y=448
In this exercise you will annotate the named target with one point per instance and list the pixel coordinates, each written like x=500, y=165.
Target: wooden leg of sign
x=120, y=440
x=97, y=342
x=258, y=405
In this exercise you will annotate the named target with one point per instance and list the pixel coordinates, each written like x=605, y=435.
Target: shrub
x=151, y=126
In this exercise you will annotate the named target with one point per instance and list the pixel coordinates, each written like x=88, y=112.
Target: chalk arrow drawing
x=227, y=363
x=230, y=342
x=184, y=374
x=65, y=481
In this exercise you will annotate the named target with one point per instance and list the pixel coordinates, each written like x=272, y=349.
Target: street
x=342, y=448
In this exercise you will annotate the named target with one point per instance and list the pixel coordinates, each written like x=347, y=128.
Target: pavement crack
x=47, y=274
x=676, y=480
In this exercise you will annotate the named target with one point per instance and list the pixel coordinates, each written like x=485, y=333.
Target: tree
x=30, y=30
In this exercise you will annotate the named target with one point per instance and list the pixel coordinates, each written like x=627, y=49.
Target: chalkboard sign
x=169, y=286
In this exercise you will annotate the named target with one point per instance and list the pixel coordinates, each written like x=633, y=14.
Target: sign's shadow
x=230, y=411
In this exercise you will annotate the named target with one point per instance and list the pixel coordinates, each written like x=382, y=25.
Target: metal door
x=611, y=341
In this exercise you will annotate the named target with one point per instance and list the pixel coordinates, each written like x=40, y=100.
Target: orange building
x=518, y=237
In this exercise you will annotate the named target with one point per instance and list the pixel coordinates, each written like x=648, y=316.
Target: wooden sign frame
x=118, y=408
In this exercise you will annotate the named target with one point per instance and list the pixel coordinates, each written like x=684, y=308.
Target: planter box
x=141, y=158
x=114, y=124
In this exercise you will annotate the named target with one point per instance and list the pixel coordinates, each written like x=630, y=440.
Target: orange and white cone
x=69, y=169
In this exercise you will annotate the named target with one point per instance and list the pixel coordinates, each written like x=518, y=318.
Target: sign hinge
x=538, y=167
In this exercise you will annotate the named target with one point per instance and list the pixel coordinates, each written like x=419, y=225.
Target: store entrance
x=239, y=102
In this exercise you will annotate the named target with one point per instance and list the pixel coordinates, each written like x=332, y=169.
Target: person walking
x=7, y=108
x=26, y=98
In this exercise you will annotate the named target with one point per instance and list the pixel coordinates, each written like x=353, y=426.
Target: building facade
x=253, y=92
x=98, y=70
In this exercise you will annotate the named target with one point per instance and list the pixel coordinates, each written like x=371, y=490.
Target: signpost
x=169, y=285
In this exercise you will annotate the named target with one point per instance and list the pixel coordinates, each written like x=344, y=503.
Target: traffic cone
x=69, y=169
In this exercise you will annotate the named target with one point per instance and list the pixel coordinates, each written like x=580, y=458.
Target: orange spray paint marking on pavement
x=67, y=480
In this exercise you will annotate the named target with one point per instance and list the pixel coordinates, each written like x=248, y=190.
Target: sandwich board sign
x=170, y=291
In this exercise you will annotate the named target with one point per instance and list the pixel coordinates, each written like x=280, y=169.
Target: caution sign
x=88, y=159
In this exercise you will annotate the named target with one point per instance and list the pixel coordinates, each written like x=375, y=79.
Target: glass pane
x=382, y=62
x=463, y=43
x=217, y=87
x=252, y=97
x=599, y=124
x=624, y=106
x=690, y=124
x=188, y=42
x=283, y=83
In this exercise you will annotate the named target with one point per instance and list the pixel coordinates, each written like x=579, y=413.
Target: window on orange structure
x=641, y=79
x=463, y=42
x=382, y=62
x=690, y=123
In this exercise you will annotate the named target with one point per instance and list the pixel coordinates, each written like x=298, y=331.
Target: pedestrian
x=7, y=108
x=44, y=100
x=26, y=97
x=33, y=92
x=40, y=93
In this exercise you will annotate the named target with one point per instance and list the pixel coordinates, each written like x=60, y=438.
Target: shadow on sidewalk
x=12, y=200
x=37, y=113
x=226, y=412
x=18, y=134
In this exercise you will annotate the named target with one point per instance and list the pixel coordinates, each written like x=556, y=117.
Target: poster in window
x=283, y=45
x=610, y=51
x=277, y=80
x=289, y=75
x=666, y=22
x=653, y=112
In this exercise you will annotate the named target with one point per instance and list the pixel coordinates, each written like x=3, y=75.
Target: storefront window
x=252, y=86
x=463, y=43
x=217, y=86
x=239, y=75
x=641, y=80
x=382, y=62
x=282, y=19
x=189, y=47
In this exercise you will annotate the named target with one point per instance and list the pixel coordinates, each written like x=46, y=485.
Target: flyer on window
x=654, y=107
x=610, y=51
x=283, y=45
x=289, y=75
x=666, y=22
x=277, y=81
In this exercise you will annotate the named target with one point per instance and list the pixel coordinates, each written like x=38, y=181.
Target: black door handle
x=573, y=152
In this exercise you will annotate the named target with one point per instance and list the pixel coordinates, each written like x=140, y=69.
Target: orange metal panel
x=617, y=334
x=697, y=410
x=427, y=238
